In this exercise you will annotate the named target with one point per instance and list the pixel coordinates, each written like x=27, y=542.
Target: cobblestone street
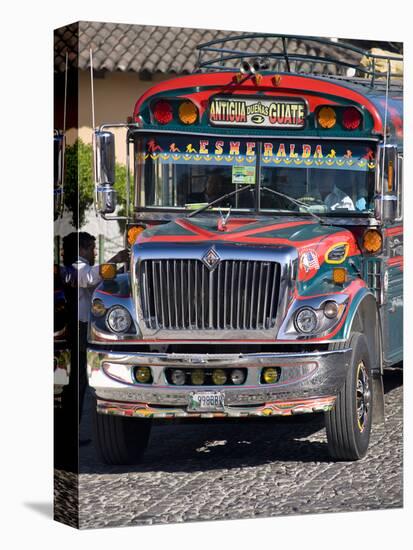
x=231, y=469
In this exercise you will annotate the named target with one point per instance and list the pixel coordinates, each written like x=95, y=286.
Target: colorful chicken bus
x=265, y=226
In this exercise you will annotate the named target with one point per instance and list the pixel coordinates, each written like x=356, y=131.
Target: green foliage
x=78, y=190
x=79, y=185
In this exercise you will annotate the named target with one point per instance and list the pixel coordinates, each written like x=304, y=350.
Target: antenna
x=65, y=97
x=91, y=88
x=92, y=96
x=64, y=136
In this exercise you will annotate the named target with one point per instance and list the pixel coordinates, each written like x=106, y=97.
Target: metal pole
x=101, y=248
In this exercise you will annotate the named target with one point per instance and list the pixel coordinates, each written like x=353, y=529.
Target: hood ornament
x=222, y=223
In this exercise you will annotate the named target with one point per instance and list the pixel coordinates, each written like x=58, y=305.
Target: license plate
x=206, y=401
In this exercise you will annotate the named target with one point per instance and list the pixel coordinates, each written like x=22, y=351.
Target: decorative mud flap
x=378, y=399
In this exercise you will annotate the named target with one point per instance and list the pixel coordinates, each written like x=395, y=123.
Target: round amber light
x=107, y=271
x=188, y=113
x=98, y=308
x=326, y=117
x=219, y=377
x=197, y=377
x=270, y=375
x=143, y=375
x=372, y=240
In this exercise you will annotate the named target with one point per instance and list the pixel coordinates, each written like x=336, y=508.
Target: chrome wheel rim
x=362, y=396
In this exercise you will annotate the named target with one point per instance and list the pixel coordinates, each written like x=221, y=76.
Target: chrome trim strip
x=212, y=359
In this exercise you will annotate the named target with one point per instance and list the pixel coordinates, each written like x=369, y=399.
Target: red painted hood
x=311, y=239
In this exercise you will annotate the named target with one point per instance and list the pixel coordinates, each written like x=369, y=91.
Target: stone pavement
x=235, y=469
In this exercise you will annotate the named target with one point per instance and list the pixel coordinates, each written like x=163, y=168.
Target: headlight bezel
x=325, y=325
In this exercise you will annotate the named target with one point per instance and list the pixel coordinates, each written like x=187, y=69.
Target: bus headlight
x=118, y=319
x=306, y=320
x=331, y=309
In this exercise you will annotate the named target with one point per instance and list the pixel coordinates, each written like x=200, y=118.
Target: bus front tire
x=348, y=424
x=120, y=440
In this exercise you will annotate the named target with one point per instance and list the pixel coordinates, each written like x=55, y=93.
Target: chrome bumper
x=309, y=382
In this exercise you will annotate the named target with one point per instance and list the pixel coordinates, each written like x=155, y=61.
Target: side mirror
x=386, y=200
x=105, y=158
x=386, y=208
x=106, y=199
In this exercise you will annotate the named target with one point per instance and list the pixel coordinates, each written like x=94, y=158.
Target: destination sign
x=273, y=113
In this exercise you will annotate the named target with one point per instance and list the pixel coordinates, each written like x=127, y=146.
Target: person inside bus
x=217, y=185
x=362, y=202
x=332, y=196
x=214, y=187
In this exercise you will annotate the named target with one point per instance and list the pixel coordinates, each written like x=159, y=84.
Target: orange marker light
x=107, y=271
x=188, y=113
x=133, y=233
x=339, y=275
x=326, y=117
x=390, y=176
x=372, y=241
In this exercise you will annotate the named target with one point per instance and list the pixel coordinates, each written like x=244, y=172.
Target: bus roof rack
x=273, y=51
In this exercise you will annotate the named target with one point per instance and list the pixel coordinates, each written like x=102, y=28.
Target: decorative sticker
x=309, y=260
x=243, y=175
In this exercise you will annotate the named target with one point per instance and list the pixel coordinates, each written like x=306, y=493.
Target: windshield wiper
x=219, y=199
x=295, y=201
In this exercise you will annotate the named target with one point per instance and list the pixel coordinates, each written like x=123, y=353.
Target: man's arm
x=119, y=258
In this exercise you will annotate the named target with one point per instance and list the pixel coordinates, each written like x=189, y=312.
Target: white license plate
x=206, y=401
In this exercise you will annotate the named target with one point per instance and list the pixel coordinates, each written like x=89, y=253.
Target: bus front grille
x=187, y=295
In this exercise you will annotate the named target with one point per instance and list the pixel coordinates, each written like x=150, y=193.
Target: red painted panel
x=289, y=85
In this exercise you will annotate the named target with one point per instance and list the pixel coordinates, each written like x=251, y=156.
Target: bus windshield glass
x=188, y=172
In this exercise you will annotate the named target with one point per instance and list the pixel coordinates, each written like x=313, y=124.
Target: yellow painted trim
x=335, y=245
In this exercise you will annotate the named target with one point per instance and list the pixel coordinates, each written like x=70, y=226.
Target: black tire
x=348, y=424
x=120, y=440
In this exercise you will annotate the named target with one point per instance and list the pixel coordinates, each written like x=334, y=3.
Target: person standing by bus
x=81, y=276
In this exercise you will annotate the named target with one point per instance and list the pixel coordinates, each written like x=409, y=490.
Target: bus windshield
x=187, y=172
